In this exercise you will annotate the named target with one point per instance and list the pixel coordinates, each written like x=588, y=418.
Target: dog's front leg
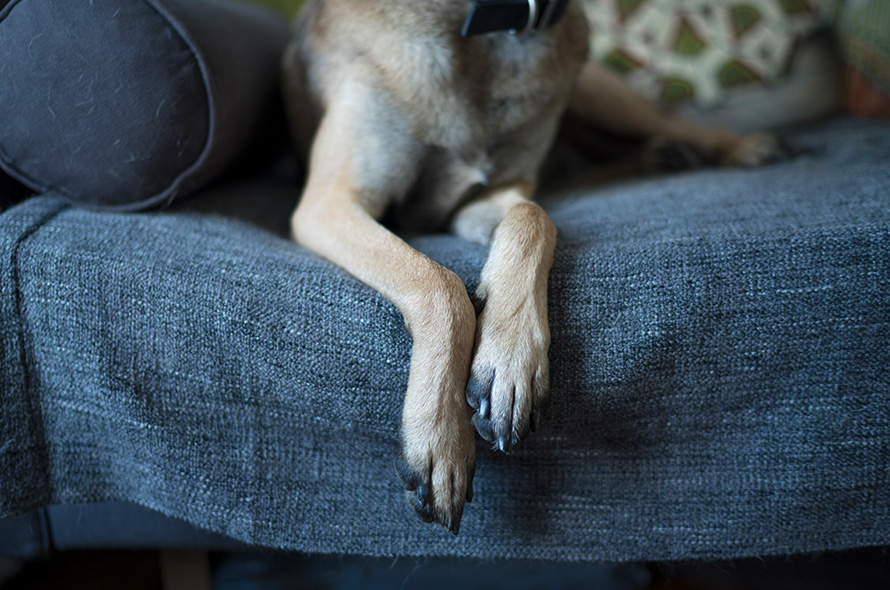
x=335, y=218
x=510, y=372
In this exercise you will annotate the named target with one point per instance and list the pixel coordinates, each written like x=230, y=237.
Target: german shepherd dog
x=439, y=114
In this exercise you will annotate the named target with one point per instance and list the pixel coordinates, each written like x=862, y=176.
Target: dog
x=438, y=114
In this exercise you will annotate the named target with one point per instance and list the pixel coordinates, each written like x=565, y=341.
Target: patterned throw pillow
x=699, y=51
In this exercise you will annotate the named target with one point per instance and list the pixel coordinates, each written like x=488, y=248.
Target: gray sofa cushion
x=125, y=104
x=720, y=372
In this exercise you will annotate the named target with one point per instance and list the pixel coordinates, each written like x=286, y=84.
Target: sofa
x=176, y=373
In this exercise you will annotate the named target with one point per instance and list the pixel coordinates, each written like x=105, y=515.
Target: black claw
x=453, y=525
x=419, y=495
x=451, y=522
x=534, y=420
x=479, y=391
x=425, y=513
x=418, y=489
x=484, y=408
x=423, y=493
x=422, y=507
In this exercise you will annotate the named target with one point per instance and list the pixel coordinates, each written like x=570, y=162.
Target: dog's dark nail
x=449, y=524
x=423, y=509
x=423, y=493
x=469, y=495
x=454, y=524
x=478, y=388
x=534, y=420
x=484, y=407
x=426, y=514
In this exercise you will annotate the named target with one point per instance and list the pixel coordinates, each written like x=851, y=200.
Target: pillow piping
x=165, y=196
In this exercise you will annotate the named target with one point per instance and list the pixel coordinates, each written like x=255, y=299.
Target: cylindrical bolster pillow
x=126, y=104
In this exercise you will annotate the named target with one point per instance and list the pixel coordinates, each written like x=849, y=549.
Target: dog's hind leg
x=603, y=99
x=361, y=156
x=510, y=372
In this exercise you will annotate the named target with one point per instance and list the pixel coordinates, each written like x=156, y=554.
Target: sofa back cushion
x=126, y=104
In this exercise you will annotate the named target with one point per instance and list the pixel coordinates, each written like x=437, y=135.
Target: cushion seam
x=34, y=408
x=7, y=9
x=173, y=189
x=8, y=166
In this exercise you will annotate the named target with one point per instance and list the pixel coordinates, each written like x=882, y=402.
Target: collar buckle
x=515, y=16
x=548, y=16
x=532, y=23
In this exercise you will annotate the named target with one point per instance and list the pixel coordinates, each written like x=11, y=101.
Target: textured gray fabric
x=720, y=372
x=125, y=104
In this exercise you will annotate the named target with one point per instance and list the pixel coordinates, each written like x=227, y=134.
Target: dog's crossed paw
x=755, y=149
x=437, y=473
x=509, y=379
x=507, y=405
x=740, y=151
x=664, y=155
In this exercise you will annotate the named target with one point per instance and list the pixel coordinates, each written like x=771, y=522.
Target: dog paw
x=665, y=155
x=754, y=149
x=436, y=468
x=509, y=379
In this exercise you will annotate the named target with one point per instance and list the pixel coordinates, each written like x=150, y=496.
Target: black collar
x=516, y=16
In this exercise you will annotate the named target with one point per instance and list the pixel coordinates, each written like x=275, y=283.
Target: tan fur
x=396, y=112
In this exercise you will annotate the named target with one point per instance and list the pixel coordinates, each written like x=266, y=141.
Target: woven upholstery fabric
x=125, y=104
x=720, y=372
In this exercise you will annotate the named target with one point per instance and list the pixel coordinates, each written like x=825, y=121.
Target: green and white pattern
x=696, y=51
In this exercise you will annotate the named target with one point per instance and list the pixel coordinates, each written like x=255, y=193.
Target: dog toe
x=421, y=506
x=479, y=393
x=757, y=149
x=437, y=474
x=662, y=155
x=507, y=404
x=484, y=427
x=417, y=487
